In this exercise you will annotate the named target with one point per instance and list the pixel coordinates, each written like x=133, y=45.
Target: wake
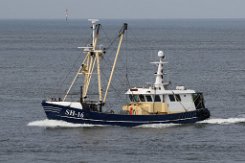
x=61, y=124
x=223, y=121
x=56, y=124
x=214, y=121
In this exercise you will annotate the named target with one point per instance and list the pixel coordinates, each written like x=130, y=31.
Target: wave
x=223, y=121
x=56, y=123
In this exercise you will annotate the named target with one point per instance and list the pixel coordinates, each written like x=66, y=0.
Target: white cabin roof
x=150, y=90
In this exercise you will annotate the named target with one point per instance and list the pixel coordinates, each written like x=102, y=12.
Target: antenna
x=93, y=21
x=66, y=15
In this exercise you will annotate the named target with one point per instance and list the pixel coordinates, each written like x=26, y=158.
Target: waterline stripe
x=51, y=107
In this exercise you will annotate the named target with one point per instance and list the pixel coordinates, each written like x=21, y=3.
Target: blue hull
x=80, y=116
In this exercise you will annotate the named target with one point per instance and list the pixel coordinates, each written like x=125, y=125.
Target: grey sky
x=36, y=9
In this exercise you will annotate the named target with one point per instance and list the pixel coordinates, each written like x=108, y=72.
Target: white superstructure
x=157, y=99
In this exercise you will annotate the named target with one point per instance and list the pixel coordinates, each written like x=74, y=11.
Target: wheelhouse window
x=171, y=97
x=177, y=97
x=157, y=98
x=148, y=98
x=136, y=98
x=142, y=98
x=130, y=97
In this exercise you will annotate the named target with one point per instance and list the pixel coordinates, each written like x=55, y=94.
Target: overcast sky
x=121, y=9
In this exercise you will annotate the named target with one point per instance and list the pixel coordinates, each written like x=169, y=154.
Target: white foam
x=166, y=125
x=55, y=123
x=223, y=121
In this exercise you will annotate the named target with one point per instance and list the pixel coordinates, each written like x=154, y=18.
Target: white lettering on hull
x=73, y=113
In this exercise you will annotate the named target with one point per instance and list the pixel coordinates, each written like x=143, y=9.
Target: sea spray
x=56, y=123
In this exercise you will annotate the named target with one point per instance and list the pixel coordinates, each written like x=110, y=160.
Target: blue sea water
x=38, y=58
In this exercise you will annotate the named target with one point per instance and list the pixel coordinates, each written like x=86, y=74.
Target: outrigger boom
x=121, y=34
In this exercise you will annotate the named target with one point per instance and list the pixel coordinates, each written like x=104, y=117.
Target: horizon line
x=120, y=18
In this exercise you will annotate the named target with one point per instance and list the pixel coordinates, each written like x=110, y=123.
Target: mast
x=93, y=21
x=92, y=59
x=94, y=56
x=121, y=35
x=87, y=67
x=159, y=82
x=99, y=78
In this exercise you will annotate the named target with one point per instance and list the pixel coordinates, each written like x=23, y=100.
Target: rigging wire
x=106, y=36
x=118, y=92
x=107, y=62
x=112, y=41
x=72, y=68
x=113, y=87
x=151, y=48
x=126, y=65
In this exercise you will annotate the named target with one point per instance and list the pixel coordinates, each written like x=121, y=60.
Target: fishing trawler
x=155, y=104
